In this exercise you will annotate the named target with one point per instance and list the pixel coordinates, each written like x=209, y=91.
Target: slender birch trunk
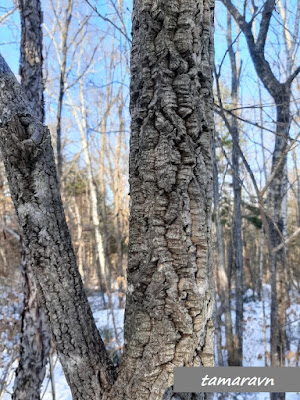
x=94, y=204
x=92, y=191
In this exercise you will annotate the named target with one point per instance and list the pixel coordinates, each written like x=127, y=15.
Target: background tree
x=281, y=93
x=35, y=336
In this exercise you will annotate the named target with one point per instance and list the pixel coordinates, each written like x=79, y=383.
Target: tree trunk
x=237, y=216
x=230, y=344
x=35, y=335
x=102, y=273
x=79, y=239
x=281, y=93
x=35, y=340
x=28, y=158
x=169, y=301
x=168, y=319
x=276, y=228
x=221, y=275
x=118, y=193
x=62, y=82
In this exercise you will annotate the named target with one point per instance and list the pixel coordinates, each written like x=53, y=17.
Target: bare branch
x=279, y=247
x=6, y=15
x=293, y=76
x=265, y=24
x=109, y=21
x=289, y=147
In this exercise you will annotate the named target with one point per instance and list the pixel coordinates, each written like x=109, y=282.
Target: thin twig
x=109, y=21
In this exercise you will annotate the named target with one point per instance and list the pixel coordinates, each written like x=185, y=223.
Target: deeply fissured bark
x=169, y=300
x=168, y=319
x=28, y=157
x=35, y=334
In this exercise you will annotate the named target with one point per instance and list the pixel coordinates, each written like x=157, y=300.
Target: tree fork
x=168, y=319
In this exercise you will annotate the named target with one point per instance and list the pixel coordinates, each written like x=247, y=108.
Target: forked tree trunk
x=168, y=319
x=35, y=335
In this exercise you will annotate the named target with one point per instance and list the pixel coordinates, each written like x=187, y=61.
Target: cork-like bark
x=28, y=157
x=31, y=62
x=168, y=319
x=169, y=301
x=35, y=335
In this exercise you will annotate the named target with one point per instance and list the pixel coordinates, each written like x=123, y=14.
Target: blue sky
x=9, y=47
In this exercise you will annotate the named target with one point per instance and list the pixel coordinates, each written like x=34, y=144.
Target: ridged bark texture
x=31, y=62
x=168, y=319
x=29, y=162
x=35, y=341
x=35, y=335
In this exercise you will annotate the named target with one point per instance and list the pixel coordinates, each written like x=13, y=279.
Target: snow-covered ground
x=256, y=347
x=110, y=322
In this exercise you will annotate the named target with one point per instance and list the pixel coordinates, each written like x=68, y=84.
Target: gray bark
x=35, y=340
x=28, y=158
x=281, y=93
x=31, y=63
x=168, y=320
x=35, y=335
x=237, y=216
x=62, y=81
x=169, y=302
x=222, y=279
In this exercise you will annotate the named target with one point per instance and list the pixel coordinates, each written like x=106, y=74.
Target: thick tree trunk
x=35, y=335
x=168, y=320
x=28, y=158
x=31, y=62
x=169, y=302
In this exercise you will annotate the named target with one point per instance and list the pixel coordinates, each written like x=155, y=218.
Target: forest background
x=86, y=76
